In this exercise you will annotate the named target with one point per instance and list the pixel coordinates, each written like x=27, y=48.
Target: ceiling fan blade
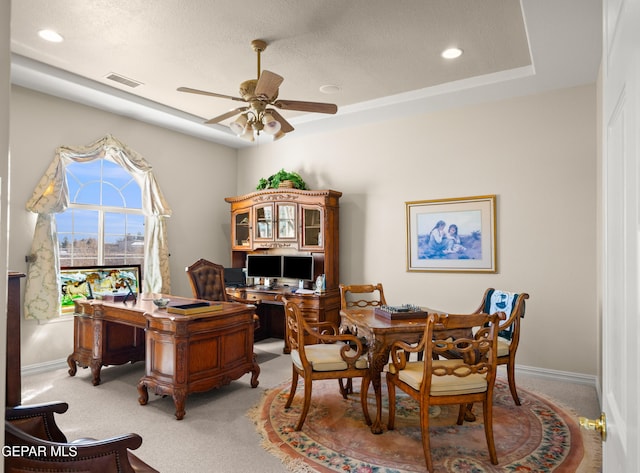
x=306, y=106
x=229, y=114
x=268, y=84
x=286, y=127
x=204, y=92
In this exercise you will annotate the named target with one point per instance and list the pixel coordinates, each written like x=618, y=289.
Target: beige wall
x=537, y=154
x=193, y=174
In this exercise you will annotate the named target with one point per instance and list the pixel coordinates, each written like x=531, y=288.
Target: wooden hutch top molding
x=283, y=194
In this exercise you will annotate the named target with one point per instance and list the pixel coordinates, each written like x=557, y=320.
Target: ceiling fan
x=260, y=95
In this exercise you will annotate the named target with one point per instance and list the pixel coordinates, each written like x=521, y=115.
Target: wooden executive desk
x=314, y=307
x=184, y=353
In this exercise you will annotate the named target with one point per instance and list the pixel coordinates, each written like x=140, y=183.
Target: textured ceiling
x=378, y=52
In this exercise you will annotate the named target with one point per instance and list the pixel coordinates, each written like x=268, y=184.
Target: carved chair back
x=361, y=295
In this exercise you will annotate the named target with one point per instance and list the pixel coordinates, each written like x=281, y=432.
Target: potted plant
x=282, y=179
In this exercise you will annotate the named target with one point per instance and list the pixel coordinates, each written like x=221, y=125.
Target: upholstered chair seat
x=446, y=385
x=327, y=357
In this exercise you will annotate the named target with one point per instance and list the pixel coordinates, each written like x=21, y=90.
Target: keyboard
x=304, y=291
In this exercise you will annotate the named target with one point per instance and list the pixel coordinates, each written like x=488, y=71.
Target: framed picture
x=452, y=235
x=113, y=283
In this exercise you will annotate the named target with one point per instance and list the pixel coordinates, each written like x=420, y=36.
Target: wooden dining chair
x=463, y=380
x=330, y=356
x=513, y=305
x=359, y=295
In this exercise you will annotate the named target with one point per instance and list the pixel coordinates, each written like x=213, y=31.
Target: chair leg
x=347, y=388
x=294, y=386
x=466, y=414
x=511, y=377
x=424, y=430
x=487, y=410
x=364, y=391
x=392, y=403
x=461, y=410
x=306, y=404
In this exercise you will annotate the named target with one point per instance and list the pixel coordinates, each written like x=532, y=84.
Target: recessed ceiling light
x=50, y=35
x=330, y=89
x=451, y=53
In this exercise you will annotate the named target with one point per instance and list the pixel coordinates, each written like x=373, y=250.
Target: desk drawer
x=263, y=296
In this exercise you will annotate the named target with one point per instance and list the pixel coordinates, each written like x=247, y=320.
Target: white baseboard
x=46, y=366
x=565, y=376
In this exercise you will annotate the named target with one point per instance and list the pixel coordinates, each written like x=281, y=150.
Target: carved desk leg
x=255, y=372
x=143, y=392
x=96, y=367
x=73, y=367
x=179, y=399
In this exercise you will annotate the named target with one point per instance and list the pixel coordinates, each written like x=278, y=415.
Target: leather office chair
x=513, y=305
x=330, y=357
x=207, y=282
x=35, y=427
x=463, y=380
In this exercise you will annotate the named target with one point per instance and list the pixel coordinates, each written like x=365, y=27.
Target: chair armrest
x=399, y=350
x=32, y=410
x=38, y=419
x=321, y=328
x=109, y=455
x=351, y=342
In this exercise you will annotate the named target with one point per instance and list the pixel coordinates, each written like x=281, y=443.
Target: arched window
x=104, y=223
x=51, y=197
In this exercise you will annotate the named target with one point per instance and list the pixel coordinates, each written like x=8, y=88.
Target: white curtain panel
x=51, y=196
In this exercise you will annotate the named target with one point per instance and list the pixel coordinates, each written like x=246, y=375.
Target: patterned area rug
x=538, y=436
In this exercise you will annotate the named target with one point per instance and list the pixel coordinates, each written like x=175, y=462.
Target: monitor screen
x=264, y=266
x=234, y=277
x=297, y=267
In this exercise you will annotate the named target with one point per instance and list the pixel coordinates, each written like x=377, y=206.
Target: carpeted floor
x=538, y=436
x=216, y=434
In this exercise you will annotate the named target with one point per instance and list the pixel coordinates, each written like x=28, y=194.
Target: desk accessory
x=401, y=312
x=161, y=302
x=194, y=308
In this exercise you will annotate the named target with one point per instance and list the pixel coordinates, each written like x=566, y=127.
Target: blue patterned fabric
x=501, y=301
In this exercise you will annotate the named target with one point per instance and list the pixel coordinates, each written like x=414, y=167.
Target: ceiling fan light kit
x=259, y=94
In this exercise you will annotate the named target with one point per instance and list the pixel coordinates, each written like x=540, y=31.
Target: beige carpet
x=216, y=434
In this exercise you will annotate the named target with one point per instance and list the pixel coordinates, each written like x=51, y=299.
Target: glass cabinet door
x=311, y=227
x=241, y=230
x=286, y=221
x=264, y=222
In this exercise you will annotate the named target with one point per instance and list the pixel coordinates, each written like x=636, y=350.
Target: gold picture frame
x=452, y=235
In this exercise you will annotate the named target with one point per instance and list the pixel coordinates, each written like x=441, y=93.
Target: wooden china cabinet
x=288, y=221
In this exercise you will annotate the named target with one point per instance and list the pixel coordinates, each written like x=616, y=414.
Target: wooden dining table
x=380, y=333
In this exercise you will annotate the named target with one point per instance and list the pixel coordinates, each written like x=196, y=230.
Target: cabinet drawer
x=263, y=296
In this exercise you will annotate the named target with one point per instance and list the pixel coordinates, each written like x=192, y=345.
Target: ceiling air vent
x=123, y=80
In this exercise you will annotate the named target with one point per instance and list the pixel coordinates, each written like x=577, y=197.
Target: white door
x=621, y=240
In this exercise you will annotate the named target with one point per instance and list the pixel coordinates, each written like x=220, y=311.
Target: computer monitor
x=298, y=267
x=264, y=266
x=234, y=277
